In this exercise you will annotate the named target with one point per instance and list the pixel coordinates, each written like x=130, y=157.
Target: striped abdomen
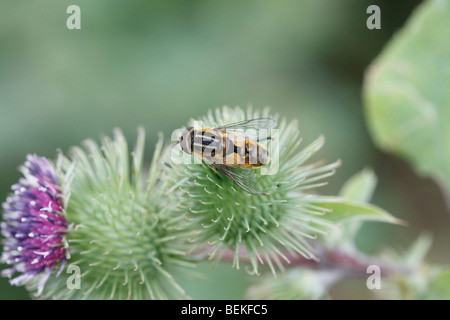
x=224, y=148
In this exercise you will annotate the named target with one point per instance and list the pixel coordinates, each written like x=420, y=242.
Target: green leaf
x=346, y=212
x=294, y=284
x=417, y=252
x=360, y=187
x=354, y=210
x=440, y=287
x=407, y=93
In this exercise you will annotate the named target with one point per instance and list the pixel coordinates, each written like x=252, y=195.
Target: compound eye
x=186, y=140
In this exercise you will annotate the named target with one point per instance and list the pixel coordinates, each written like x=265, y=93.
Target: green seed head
x=264, y=229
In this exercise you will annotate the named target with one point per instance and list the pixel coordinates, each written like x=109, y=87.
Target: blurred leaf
x=418, y=250
x=440, y=287
x=416, y=280
x=407, y=93
x=295, y=284
x=346, y=211
x=360, y=187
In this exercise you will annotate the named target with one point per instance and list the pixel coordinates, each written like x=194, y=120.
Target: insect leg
x=215, y=171
x=264, y=139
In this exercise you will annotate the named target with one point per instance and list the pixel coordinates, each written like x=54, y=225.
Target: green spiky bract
x=124, y=234
x=262, y=229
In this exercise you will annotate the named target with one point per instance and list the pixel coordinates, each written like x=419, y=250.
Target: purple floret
x=34, y=225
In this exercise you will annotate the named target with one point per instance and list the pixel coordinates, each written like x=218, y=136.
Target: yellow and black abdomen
x=255, y=154
x=243, y=152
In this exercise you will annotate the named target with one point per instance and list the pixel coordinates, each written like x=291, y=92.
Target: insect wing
x=260, y=123
x=242, y=177
x=255, y=129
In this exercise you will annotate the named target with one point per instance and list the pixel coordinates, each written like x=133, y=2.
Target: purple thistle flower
x=34, y=225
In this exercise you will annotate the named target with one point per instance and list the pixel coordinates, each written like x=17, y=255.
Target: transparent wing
x=242, y=177
x=256, y=124
x=255, y=129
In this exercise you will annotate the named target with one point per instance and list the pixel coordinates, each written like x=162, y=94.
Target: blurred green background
x=159, y=63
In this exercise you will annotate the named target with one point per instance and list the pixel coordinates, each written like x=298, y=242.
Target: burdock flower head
x=116, y=216
x=124, y=238
x=34, y=225
x=269, y=227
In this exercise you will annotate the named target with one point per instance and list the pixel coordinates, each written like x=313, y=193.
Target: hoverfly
x=231, y=152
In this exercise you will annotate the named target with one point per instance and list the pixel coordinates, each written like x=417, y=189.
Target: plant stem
x=350, y=265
